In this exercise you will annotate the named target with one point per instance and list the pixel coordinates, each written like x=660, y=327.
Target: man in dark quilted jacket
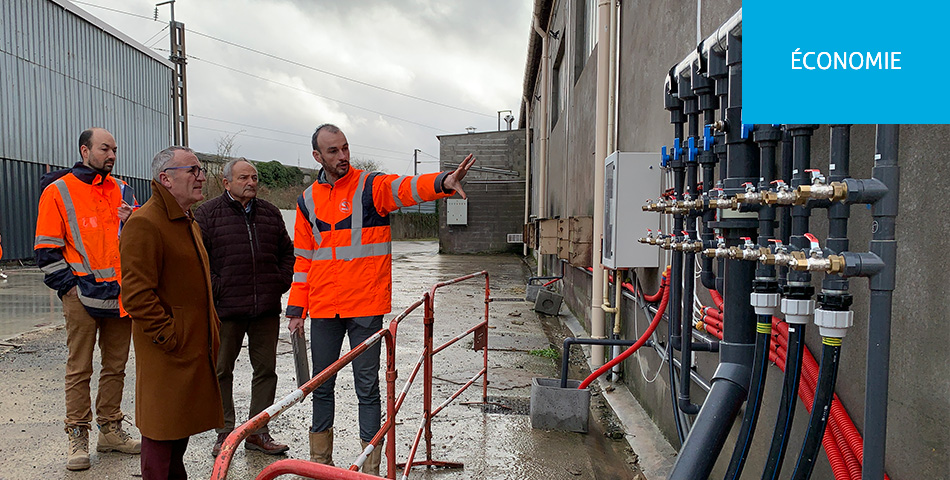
x=252, y=261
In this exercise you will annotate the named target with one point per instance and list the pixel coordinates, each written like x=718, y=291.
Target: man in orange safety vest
x=343, y=272
x=77, y=247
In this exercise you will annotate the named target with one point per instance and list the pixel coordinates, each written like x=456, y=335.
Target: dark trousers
x=326, y=339
x=262, y=335
x=163, y=459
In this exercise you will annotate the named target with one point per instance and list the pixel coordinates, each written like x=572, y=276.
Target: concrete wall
x=654, y=35
x=495, y=188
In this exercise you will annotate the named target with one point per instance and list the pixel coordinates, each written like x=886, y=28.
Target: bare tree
x=367, y=164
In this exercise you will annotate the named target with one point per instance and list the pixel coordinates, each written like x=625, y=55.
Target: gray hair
x=228, y=167
x=162, y=158
x=329, y=127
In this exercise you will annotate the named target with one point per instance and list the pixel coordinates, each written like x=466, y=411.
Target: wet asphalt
x=492, y=442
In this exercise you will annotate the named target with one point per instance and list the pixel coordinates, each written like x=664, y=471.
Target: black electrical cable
x=821, y=409
x=751, y=416
x=786, y=412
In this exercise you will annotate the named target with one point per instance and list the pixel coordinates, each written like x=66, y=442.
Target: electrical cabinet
x=456, y=211
x=629, y=180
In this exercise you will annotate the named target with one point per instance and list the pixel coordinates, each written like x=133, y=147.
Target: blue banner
x=845, y=61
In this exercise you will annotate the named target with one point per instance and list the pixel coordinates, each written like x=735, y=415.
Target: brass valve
x=750, y=196
x=721, y=251
x=816, y=260
x=777, y=255
x=688, y=245
x=748, y=251
x=657, y=206
x=648, y=239
x=782, y=195
x=820, y=190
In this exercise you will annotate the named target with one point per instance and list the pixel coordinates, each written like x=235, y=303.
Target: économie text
x=845, y=60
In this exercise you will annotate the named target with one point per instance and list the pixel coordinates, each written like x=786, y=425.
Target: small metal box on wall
x=456, y=211
x=629, y=180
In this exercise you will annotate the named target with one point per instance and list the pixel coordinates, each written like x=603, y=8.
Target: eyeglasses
x=192, y=169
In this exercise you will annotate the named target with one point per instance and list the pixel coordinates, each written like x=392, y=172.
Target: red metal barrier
x=393, y=402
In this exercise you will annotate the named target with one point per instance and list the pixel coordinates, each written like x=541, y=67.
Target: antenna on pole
x=179, y=78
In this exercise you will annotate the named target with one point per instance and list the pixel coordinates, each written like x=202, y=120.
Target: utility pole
x=179, y=78
x=415, y=171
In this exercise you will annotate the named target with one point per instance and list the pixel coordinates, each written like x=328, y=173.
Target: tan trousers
x=115, y=335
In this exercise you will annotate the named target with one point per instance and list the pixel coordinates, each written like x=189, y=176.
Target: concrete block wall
x=496, y=195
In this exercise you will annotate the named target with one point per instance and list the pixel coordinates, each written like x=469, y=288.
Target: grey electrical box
x=456, y=211
x=629, y=180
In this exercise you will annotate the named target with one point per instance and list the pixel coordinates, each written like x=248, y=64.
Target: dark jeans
x=326, y=339
x=163, y=459
x=262, y=335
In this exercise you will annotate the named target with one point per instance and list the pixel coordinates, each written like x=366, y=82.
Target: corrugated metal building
x=63, y=70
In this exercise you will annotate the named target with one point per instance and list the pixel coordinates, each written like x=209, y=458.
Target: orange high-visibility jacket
x=343, y=242
x=77, y=238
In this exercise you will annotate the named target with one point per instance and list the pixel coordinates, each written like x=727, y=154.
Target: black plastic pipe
x=821, y=408
x=677, y=164
x=754, y=402
x=785, y=216
x=691, y=109
x=798, y=288
x=731, y=382
x=768, y=138
x=786, y=409
x=884, y=245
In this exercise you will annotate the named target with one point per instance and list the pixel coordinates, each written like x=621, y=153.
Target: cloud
x=464, y=54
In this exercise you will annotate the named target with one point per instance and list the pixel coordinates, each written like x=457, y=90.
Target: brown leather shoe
x=218, y=443
x=263, y=442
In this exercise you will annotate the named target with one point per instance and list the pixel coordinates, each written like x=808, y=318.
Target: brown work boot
x=78, y=448
x=263, y=442
x=321, y=447
x=112, y=438
x=371, y=464
x=216, y=449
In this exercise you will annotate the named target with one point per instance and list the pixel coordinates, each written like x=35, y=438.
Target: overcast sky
x=466, y=55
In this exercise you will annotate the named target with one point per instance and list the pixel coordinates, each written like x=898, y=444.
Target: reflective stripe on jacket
x=343, y=242
x=77, y=238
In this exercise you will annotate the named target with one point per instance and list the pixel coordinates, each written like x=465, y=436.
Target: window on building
x=586, y=34
x=559, y=85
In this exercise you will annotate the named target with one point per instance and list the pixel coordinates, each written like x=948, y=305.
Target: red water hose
x=717, y=298
x=633, y=348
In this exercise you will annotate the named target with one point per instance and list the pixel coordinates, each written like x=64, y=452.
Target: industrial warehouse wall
x=495, y=189
x=62, y=71
x=656, y=34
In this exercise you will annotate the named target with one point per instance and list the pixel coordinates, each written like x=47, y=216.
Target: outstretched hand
x=453, y=181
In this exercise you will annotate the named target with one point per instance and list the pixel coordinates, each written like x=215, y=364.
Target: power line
x=302, y=65
x=286, y=132
x=315, y=94
x=115, y=10
x=370, y=155
x=342, y=77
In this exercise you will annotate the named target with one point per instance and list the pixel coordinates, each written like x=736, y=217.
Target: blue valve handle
x=747, y=128
x=691, y=147
x=708, y=139
x=677, y=149
x=664, y=157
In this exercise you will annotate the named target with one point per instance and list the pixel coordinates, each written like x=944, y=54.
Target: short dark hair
x=329, y=127
x=85, y=139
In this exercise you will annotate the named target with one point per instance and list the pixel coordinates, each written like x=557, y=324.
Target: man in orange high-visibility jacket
x=77, y=247
x=343, y=272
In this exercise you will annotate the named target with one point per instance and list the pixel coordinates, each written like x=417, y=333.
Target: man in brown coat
x=166, y=289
